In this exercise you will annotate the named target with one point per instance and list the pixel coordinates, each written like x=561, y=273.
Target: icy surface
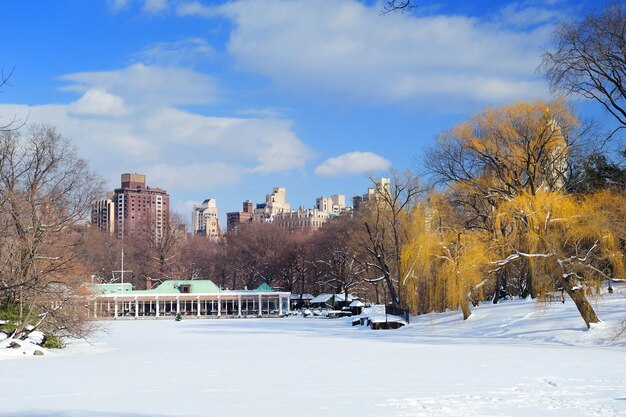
x=519, y=358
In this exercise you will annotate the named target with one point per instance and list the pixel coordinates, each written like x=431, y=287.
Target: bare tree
x=101, y=254
x=13, y=123
x=339, y=256
x=386, y=222
x=397, y=5
x=204, y=258
x=155, y=257
x=255, y=252
x=45, y=192
x=589, y=59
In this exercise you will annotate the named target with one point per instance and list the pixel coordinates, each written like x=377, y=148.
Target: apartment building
x=103, y=214
x=204, y=221
x=139, y=208
x=235, y=218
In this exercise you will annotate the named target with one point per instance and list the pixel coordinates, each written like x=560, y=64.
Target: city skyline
x=198, y=96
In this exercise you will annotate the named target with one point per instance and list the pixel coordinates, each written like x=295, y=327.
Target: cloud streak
x=150, y=85
x=344, y=49
x=352, y=163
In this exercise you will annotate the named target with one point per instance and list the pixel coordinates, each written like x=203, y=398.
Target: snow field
x=519, y=358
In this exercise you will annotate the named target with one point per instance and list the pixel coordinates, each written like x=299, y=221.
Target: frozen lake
x=510, y=360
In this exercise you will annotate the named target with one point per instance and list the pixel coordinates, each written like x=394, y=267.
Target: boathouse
x=192, y=298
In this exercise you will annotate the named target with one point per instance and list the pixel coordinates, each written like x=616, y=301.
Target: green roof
x=172, y=287
x=196, y=286
x=265, y=287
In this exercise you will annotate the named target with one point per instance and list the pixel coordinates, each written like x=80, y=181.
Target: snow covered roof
x=304, y=296
x=114, y=288
x=357, y=303
x=324, y=298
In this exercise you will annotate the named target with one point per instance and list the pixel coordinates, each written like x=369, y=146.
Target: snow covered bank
x=514, y=359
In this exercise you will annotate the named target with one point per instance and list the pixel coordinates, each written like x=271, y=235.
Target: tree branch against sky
x=588, y=59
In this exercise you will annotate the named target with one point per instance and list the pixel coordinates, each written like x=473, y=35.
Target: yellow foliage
x=444, y=265
x=559, y=234
x=513, y=149
x=447, y=265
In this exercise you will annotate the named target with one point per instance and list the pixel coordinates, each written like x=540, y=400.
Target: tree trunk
x=530, y=281
x=376, y=289
x=234, y=281
x=582, y=304
x=465, y=308
x=499, y=290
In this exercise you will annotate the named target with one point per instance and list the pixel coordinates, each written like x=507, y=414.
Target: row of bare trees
x=340, y=257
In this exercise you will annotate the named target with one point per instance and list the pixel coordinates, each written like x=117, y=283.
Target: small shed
x=332, y=301
x=356, y=307
x=298, y=301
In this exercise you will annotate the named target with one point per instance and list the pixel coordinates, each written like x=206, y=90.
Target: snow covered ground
x=519, y=358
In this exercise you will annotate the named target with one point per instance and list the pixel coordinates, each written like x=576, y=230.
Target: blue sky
x=229, y=99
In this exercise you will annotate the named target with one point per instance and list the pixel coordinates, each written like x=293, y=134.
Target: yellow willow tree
x=446, y=264
x=499, y=154
x=566, y=242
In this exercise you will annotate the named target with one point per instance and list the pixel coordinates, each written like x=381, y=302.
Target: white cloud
x=154, y=6
x=352, y=163
x=124, y=128
x=177, y=52
x=117, y=5
x=194, y=176
x=267, y=145
x=147, y=6
x=347, y=50
x=195, y=8
x=98, y=102
x=148, y=85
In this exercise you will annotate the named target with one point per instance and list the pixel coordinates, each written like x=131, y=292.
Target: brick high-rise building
x=233, y=219
x=139, y=208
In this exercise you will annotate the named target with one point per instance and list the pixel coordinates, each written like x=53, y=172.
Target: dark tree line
x=331, y=259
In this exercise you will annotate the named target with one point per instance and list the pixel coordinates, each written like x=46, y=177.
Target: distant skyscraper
x=275, y=203
x=235, y=218
x=139, y=208
x=335, y=204
x=103, y=214
x=204, y=219
x=373, y=195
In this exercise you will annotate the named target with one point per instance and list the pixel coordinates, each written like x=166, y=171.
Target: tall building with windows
x=275, y=203
x=204, y=219
x=235, y=218
x=382, y=186
x=103, y=214
x=302, y=219
x=139, y=208
x=335, y=204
